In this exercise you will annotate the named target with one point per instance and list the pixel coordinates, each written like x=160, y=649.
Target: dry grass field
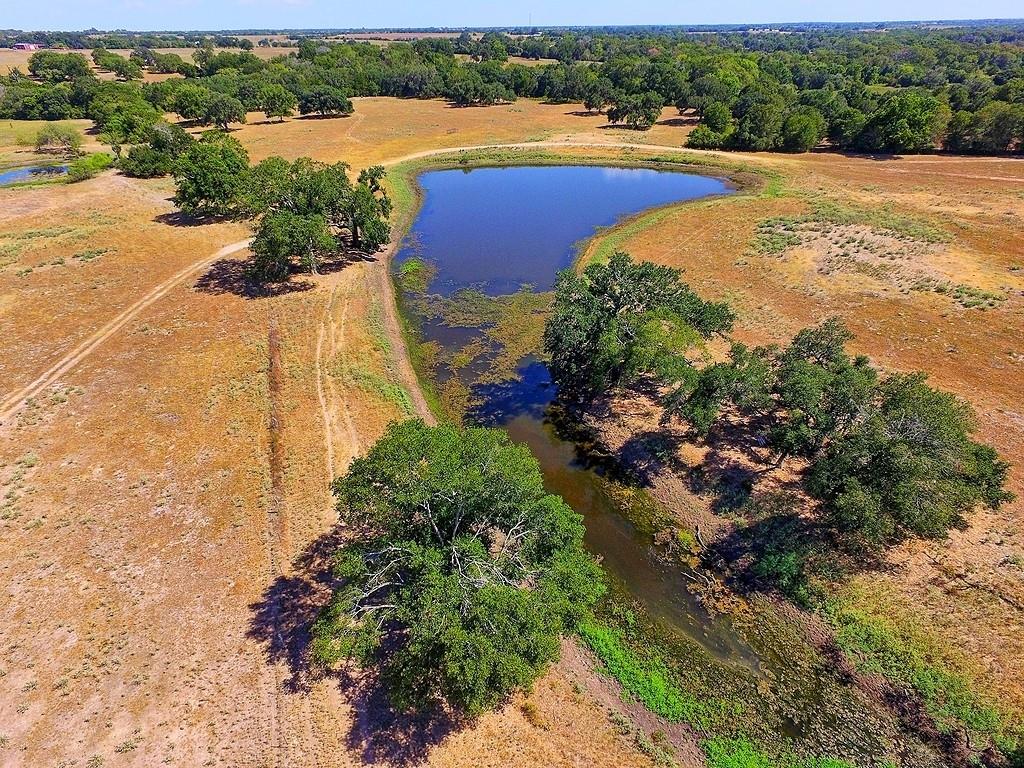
x=163, y=499
x=908, y=297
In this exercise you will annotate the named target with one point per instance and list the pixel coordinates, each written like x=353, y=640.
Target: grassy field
x=921, y=258
x=154, y=523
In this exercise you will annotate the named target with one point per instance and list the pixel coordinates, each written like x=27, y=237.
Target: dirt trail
x=12, y=403
x=16, y=400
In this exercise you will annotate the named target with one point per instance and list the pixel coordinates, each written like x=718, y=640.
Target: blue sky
x=238, y=14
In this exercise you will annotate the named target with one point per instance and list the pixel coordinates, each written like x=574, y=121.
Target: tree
x=306, y=209
x=717, y=117
x=190, y=101
x=283, y=236
x=760, y=127
x=64, y=139
x=907, y=467
x=703, y=137
x=277, y=101
x=325, y=100
x=803, y=129
x=368, y=211
x=907, y=121
x=888, y=458
x=625, y=319
x=221, y=110
x=211, y=175
x=53, y=67
x=637, y=111
x=465, y=572
x=158, y=157
x=598, y=94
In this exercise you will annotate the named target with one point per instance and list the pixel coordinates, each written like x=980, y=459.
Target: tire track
x=13, y=402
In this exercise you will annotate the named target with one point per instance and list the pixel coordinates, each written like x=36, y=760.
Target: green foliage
x=307, y=208
x=64, y=139
x=277, y=101
x=52, y=66
x=283, y=236
x=803, y=129
x=646, y=679
x=906, y=466
x=466, y=571
x=221, y=110
x=325, y=100
x=906, y=121
x=889, y=457
x=741, y=753
x=157, y=158
x=625, y=319
x=640, y=111
x=86, y=167
x=211, y=175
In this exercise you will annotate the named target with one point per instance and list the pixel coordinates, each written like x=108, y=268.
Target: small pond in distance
x=34, y=173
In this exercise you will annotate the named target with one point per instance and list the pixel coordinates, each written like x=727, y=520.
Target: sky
x=292, y=14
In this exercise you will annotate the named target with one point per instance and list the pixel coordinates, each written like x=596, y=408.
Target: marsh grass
x=888, y=640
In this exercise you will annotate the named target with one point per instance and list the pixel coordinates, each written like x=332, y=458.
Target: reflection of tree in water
x=495, y=404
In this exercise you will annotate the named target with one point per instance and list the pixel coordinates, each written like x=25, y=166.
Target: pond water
x=33, y=173
x=480, y=237
x=497, y=229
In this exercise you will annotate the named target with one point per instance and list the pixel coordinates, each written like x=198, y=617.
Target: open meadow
x=165, y=507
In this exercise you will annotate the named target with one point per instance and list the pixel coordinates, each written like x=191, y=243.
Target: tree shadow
x=281, y=622
x=384, y=736
x=322, y=117
x=231, y=276
x=283, y=617
x=678, y=122
x=182, y=219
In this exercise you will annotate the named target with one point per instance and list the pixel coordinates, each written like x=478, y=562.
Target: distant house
x=27, y=47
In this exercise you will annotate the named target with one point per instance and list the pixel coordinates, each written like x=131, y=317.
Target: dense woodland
x=881, y=91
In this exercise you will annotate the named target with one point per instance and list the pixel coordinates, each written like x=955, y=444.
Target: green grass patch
x=740, y=753
x=415, y=275
x=910, y=657
x=646, y=678
x=382, y=387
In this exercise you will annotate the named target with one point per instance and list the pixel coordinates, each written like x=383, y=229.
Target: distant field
x=9, y=59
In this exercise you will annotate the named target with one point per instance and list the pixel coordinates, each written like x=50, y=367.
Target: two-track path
x=14, y=401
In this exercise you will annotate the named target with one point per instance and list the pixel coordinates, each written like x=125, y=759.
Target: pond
x=475, y=275
x=33, y=173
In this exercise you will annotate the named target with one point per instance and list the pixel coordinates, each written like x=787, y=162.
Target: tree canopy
x=624, y=319
x=885, y=456
x=464, y=568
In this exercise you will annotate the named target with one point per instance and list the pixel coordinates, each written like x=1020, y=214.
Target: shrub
x=86, y=167
x=63, y=139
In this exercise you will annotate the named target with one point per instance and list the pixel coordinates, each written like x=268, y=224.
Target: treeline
x=903, y=91
x=123, y=40
x=884, y=457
